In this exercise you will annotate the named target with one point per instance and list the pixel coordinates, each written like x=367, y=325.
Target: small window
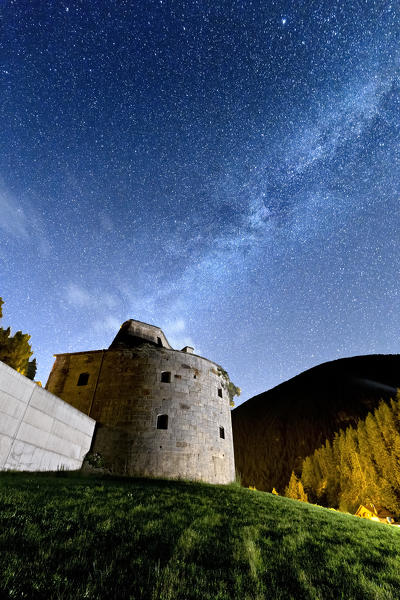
x=222, y=433
x=83, y=379
x=166, y=377
x=159, y=342
x=220, y=392
x=162, y=422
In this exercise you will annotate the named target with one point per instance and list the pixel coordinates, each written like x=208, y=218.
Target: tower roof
x=134, y=333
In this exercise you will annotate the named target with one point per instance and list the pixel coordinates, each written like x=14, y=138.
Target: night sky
x=228, y=171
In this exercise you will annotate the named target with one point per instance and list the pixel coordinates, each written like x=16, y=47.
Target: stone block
x=32, y=435
x=38, y=418
x=8, y=425
x=21, y=457
x=11, y=406
x=63, y=447
x=14, y=384
x=5, y=447
x=71, y=434
x=44, y=401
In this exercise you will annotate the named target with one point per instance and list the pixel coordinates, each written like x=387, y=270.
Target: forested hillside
x=360, y=466
x=274, y=431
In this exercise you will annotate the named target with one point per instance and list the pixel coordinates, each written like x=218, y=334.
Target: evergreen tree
x=291, y=490
x=375, y=440
x=310, y=477
x=395, y=411
x=328, y=470
x=361, y=466
x=385, y=416
x=31, y=369
x=352, y=480
x=295, y=489
x=15, y=350
x=367, y=466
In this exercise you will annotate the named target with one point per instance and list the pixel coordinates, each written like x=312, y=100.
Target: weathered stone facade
x=160, y=412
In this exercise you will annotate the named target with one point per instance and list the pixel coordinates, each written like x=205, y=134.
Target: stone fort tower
x=160, y=412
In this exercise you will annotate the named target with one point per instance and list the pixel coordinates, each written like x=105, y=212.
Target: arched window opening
x=166, y=377
x=162, y=422
x=220, y=392
x=83, y=379
x=159, y=342
x=222, y=433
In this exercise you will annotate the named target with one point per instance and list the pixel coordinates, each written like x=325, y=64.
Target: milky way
x=228, y=171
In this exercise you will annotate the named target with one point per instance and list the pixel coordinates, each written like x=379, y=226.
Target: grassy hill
x=274, y=431
x=66, y=536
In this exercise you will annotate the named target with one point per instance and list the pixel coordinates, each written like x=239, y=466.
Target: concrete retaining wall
x=38, y=431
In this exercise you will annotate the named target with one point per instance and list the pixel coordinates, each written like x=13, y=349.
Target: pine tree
x=385, y=415
x=352, y=479
x=301, y=494
x=31, y=369
x=310, y=477
x=395, y=411
x=361, y=466
x=295, y=489
x=291, y=490
x=367, y=466
x=15, y=350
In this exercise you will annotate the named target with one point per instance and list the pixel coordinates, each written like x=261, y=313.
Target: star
x=243, y=178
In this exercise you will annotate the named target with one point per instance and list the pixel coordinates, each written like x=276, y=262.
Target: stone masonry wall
x=63, y=379
x=125, y=395
x=38, y=431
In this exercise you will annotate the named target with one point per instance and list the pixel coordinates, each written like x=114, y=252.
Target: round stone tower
x=160, y=412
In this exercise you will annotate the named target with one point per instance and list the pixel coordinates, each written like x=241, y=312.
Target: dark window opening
x=194, y=376
x=166, y=377
x=162, y=422
x=159, y=342
x=222, y=433
x=220, y=392
x=83, y=379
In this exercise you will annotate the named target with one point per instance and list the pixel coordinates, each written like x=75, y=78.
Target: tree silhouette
x=15, y=350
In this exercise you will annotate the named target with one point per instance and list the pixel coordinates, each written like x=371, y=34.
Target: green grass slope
x=66, y=536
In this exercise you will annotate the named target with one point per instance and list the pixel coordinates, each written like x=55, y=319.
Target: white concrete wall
x=38, y=431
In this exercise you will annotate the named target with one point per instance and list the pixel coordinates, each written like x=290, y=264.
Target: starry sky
x=226, y=170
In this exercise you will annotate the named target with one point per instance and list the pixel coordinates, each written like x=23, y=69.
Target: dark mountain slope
x=275, y=430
